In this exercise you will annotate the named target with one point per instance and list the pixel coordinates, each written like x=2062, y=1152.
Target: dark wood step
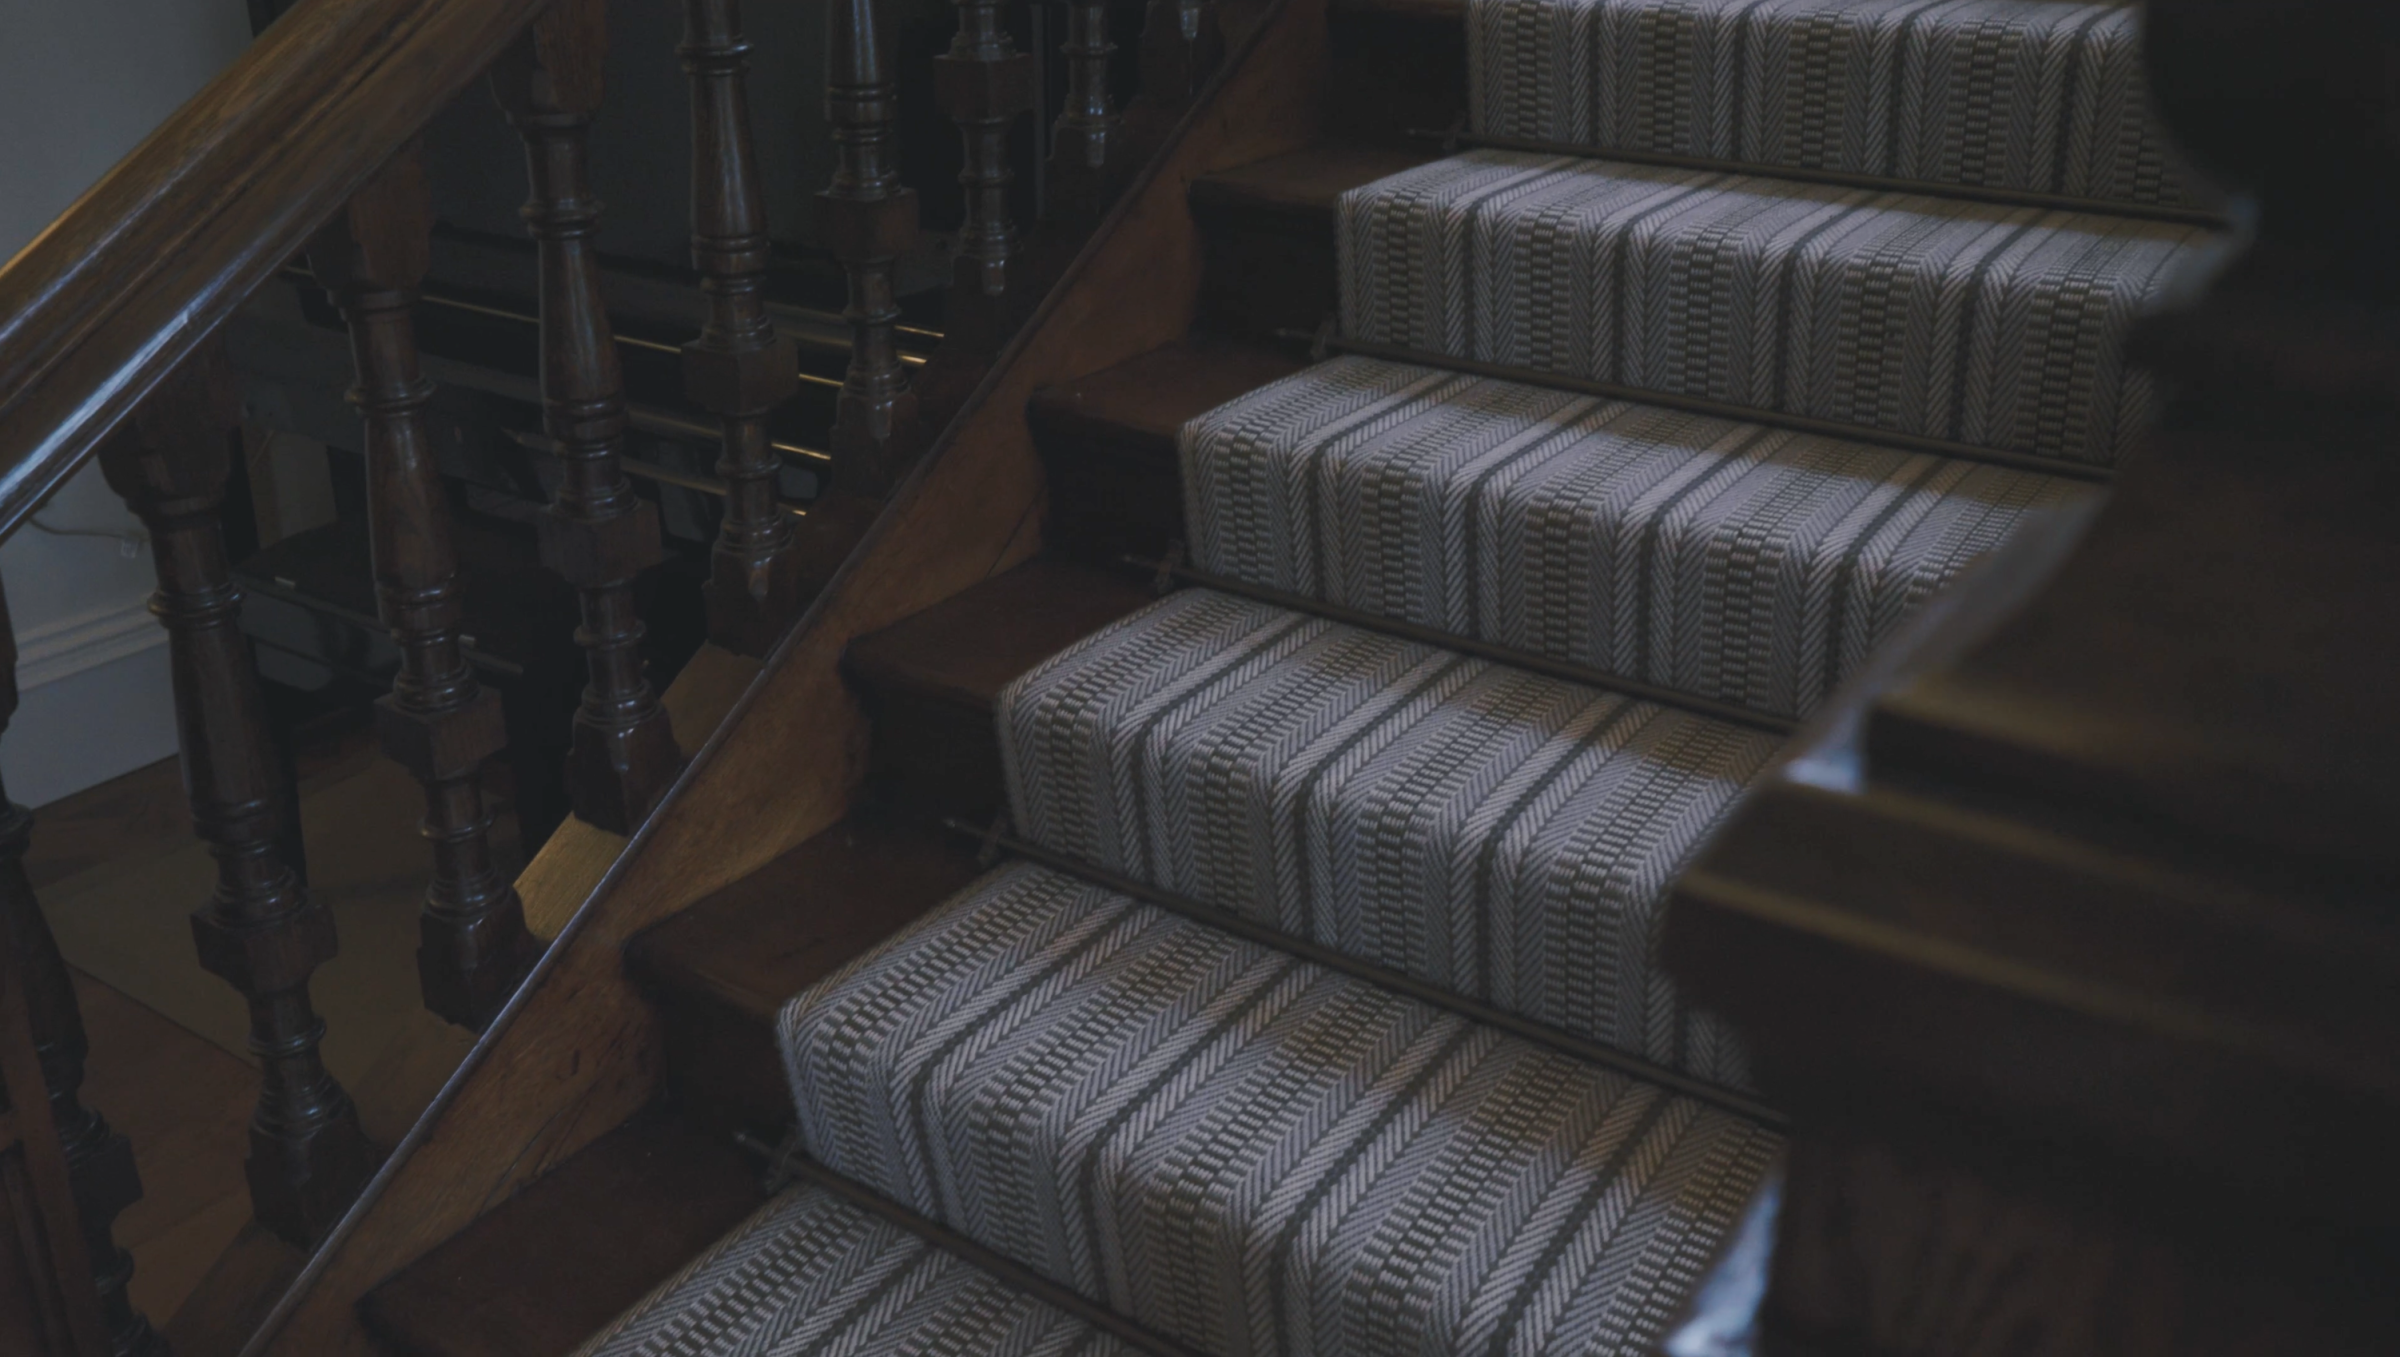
x=1393, y=66
x=721, y=970
x=1432, y=11
x=929, y=682
x=537, y=1275
x=1270, y=249
x=1109, y=441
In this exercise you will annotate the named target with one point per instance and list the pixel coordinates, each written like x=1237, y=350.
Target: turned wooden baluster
x=738, y=367
x=1084, y=143
x=869, y=220
x=99, y=1161
x=598, y=533
x=259, y=930
x=984, y=84
x=437, y=722
x=1181, y=47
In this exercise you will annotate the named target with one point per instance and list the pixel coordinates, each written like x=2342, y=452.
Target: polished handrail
x=146, y=264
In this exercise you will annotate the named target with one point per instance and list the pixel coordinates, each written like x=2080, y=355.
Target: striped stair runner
x=808, y=1273
x=1381, y=1059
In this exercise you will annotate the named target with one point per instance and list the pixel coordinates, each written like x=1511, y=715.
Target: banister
x=147, y=263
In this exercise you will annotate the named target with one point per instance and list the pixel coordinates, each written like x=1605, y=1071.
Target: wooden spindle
x=1084, y=143
x=259, y=930
x=738, y=367
x=985, y=84
x=437, y=722
x=869, y=221
x=1181, y=48
x=99, y=1161
x=598, y=533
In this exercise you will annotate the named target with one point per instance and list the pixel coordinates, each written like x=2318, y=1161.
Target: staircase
x=1244, y=936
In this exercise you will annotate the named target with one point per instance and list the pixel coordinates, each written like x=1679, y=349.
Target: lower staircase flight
x=1219, y=1143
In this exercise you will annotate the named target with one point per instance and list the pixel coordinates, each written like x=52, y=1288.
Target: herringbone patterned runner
x=809, y=1276
x=1261, y=1154
x=1730, y=561
x=2044, y=95
x=1252, y=1154
x=1507, y=837
x=2001, y=327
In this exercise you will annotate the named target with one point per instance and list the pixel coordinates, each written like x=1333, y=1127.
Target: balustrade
x=739, y=367
x=985, y=84
x=598, y=533
x=259, y=930
x=170, y=459
x=868, y=219
x=437, y=722
x=1085, y=154
x=1181, y=47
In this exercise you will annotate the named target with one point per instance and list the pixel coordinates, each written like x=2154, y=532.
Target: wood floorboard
x=185, y=1104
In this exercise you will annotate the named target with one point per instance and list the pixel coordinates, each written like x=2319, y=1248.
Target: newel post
x=2068, y=941
x=739, y=367
x=868, y=219
x=437, y=721
x=259, y=930
x=598, y=533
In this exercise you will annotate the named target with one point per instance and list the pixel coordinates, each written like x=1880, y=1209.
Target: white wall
x=81, y=83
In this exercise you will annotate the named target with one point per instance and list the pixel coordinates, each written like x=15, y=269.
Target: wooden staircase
x=622, y=1111
x=718, y=970
x=1043, y=515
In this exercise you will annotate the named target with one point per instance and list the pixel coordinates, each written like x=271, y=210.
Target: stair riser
x=1113, y=494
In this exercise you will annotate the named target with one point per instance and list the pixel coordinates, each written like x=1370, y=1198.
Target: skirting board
x=98, y=701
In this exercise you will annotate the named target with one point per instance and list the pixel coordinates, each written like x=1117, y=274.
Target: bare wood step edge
x=722, y=969
x=578, y=1050
x=1109, y=440
x=1444, y=11
x=930, y=682
x=537, y=1276
x=1299, y=189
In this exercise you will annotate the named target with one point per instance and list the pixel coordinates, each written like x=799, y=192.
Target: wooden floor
x=184, y=1102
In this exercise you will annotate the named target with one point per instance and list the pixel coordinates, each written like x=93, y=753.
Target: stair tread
x=965, y=649
x=1250, y=1153
x=1448, y=11
x=1555, y=524
x=1143, y=403
x=1502, y=835
x=720, y=969
x=810, y=1275
x=758, y=941
x=1305, y=183
x=2035, y=95
x=539, y=1273
x=1932, y=317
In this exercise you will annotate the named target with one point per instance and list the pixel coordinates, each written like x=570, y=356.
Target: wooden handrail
x=128, y=281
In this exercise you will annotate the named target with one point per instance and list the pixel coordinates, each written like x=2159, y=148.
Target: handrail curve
x=148, y=262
